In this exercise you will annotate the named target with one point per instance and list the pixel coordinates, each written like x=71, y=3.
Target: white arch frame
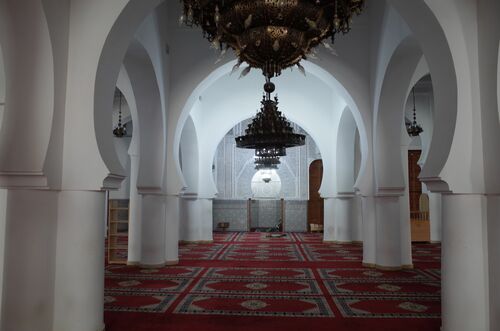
x=389, y=122
x=31, y=75
x=312, y=69
x=141, y=72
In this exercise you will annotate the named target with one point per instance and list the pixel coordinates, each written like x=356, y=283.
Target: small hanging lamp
x=121, y=129
x=413, y=128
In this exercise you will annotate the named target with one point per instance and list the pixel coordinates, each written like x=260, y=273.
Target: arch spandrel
x=390, y=117
x=29, y=69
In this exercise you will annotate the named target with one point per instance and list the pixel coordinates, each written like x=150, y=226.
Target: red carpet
x=246, y=281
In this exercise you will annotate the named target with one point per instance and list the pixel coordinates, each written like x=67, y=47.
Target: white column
x=135, y=213
x=343, y=217
x=30, y=244
x=190, y=228
x=404, y=201
x=357, y=225
x=196, y=215
x=493, y=214
x=171, y=247
x=329, y=220
x=464, y=263
x=79, y=276
x=388, y=232
x=3, y=220
x=435, y=215
x=207, y=225
x=369, y=230
x=153, y=230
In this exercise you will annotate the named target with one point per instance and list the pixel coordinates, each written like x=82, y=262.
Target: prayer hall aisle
x=249, y=281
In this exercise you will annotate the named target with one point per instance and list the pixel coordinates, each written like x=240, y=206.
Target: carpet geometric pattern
x=334, y=252
x=242, y=305
x=249, y=281
x=262, y=252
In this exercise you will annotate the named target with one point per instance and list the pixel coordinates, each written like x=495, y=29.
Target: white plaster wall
x=2, y=87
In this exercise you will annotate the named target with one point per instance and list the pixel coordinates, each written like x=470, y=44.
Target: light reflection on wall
x=266, y=184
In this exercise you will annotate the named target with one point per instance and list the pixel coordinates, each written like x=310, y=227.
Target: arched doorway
x=315, y=205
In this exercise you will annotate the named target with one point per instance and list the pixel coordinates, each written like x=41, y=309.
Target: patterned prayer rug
x=249, y=281
x=262, y=252
x=233, y=305
x=333, y=252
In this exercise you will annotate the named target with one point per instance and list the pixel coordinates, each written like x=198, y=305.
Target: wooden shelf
x=118, y=247
x=118, y=221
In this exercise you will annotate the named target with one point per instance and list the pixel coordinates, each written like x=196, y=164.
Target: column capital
x=390, y=191
x=344, y=195
x=435, y=184
x=189, y=195
x=113, y=182
x=23, y=180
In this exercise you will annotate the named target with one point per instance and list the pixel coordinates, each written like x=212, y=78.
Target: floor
x=249, y=281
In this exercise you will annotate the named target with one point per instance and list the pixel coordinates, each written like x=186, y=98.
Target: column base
x=133, y=263
x=337, y=242
x=196, y=241
x=171, y=263
x=152, y=266
x=385, y=268
x=160, y=265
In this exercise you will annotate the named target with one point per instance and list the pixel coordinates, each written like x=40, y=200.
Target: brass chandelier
x=271, y=35
x=269, y=133
x=413, y=128
x=121, y=129
x=267, y=162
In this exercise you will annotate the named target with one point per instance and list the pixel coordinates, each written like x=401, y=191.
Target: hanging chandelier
x=267, y=163
x=269, y=133
x=414, y=129
x=121, y=129
x=271, y=35
x=270, y=152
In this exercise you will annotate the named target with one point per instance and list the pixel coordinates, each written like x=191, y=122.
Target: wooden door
x=420, y=224
x=414, y=185
x=315, y=205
